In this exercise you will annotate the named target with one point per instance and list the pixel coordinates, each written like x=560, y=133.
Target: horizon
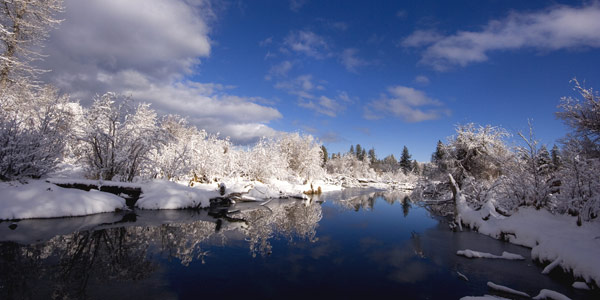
x=383, y=75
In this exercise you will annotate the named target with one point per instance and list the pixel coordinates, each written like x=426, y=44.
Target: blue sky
x=380, y=73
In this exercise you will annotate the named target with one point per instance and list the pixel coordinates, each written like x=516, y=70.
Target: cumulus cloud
x=146, y=48
x=351, y=61
x=307, y=43
x=406, y=103
x=555, y=28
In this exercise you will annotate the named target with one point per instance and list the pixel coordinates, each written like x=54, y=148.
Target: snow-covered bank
x=552, y=238
x=170, y=195
x=44, y=199
x=39, y=199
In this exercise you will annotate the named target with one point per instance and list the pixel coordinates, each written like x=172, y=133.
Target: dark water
x=341, y=246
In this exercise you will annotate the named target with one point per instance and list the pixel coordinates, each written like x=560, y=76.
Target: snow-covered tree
x=477, y=151
x=527, y=177
x=118, y=142
x=303, y=154
x=583, y=116
x=34, y=127
x=173, y=159
x=24, y=25
x=579, y=182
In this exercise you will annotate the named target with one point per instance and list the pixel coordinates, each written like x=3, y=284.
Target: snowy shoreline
x=554, y=239
x=37, y=199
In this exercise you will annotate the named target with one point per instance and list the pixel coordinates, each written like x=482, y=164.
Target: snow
x=476, y=254
x=549, y=294
x=549, y=236
x=39, y=199
x=505, y=289
x=160, y=194
x=580, y=285
x=484, y=297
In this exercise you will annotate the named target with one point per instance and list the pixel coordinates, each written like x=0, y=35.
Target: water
x=350, y=245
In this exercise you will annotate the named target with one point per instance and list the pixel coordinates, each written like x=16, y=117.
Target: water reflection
x=353, y=244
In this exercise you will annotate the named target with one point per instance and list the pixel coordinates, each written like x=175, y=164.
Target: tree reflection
x=66, y=265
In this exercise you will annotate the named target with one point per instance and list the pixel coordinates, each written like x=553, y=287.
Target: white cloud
x=343, y=26
x=279, y=70
x=301, y=86
x=559, y=27
x=323, y=105
x=406, y=103
x=351, y=61
x=422, y=79
x=296, y=5
x=401, y=14
x=146, y=48
x=307, y=43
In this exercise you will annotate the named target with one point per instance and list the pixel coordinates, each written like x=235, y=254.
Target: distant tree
x=416, y=167
x=363, y=154
x=24, y=25
x=359, y=151
x=325, y=155
x=389, y=163
x=372, y=156
x=438, y=155
x=352, y=150
x=555, y=154
x=405, y=162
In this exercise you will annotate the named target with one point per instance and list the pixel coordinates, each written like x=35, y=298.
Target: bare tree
x=582, y=116
x=24, y=25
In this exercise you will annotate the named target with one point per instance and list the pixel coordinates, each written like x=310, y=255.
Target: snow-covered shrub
x=303, y=154
x=349, y=165
x=213, y=158
x=118, y=143
x=528, y=175
x=34, y=125
x=265, y=161
x=173, y=159
x=579, y=183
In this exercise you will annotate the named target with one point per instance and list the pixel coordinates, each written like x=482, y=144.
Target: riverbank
x=555, y=240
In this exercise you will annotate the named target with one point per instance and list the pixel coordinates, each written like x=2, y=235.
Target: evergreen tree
x=405, y=162
x=556, y=160
x=416, y=167
x=325, y=154
x=352, y=150
x=358, y=151
x=544, y=161
x=363, y=154
x=438, y=155
x=372, y=157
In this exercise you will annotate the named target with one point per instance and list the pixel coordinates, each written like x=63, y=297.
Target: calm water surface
x=348, y=245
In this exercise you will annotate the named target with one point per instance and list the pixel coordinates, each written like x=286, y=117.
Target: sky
x=382, y=74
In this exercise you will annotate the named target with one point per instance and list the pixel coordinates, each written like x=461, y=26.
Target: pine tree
x=556, y=160
x=438, y=155
x=358, y=151
x=363, y=154
x=544, y=161
x=325, y=154
x=372, y=157
x=405, y=162
x=352, y=150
